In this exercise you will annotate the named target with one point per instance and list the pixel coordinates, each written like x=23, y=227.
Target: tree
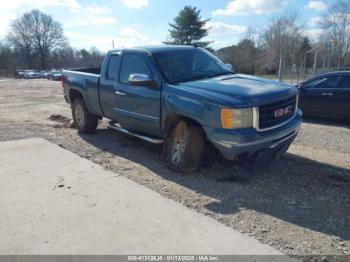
x=305, y=47
x=7, y=57
x=336, y=30
x=243, y=56
x=21, y=39
x=36, y=33
x=189, y=28
x=282, y=41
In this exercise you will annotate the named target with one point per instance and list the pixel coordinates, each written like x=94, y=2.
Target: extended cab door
x=138, y=106
x=109, y=85
x=316, y=96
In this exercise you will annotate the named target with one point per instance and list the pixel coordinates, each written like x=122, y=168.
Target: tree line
x=282, y=44
x=36, y=41
x=265, y=51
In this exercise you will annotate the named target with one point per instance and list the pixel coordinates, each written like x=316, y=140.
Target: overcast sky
x=90, y=23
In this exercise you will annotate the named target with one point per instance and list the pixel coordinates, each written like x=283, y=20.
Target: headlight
x=237, y=118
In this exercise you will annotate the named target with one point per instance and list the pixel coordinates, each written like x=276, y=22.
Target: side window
x=324, y=82
x=133, y=64
x=344, y=82
x=113, y=67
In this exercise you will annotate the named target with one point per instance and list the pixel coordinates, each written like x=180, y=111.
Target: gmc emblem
x=283, y=111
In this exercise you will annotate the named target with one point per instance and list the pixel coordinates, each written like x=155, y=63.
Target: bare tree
x=37, y=33
x=336, y=30
x=47, y=35
x=282, y=41
x=244, y=56
x=21, y=39
x=7, y=61
x=256, y=34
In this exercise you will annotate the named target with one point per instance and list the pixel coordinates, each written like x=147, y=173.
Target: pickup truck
x=184, y=97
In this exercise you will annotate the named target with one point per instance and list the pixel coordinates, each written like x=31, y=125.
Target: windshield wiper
x=224, y=73
x=204, y=77
x=193, y=78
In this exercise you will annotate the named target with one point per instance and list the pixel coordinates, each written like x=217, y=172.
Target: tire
x=184, y=148
x=282, y=151
x=83, y=120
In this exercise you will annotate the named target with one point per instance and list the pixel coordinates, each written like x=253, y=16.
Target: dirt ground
x=299, y=204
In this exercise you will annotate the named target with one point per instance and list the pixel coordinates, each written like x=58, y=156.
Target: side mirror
x=140, y=80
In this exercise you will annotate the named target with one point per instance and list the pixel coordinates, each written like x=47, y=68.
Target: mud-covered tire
x=184, y=148
x=83, y=120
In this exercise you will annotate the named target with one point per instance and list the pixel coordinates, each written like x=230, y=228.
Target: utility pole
x=315, y=62
x=280, y=69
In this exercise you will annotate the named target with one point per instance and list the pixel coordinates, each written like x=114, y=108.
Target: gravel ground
x=299, y=204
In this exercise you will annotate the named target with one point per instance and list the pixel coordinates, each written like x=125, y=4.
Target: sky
x=88, y=23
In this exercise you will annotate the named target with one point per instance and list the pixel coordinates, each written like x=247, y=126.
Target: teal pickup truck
x=184, y=98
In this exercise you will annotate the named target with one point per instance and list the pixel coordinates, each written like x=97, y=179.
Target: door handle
x=327, y=94
x=120, y=93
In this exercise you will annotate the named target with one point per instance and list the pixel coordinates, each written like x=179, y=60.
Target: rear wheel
x=184, y=148
x=83, y=120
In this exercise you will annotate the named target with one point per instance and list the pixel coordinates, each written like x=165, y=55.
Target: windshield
x=191, y=64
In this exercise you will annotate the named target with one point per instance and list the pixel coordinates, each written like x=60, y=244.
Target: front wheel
x=184, y=148
x=83, y=120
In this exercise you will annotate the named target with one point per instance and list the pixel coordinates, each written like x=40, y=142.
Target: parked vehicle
x=25, y=73
x=184, y=97
x=326, y=95
x=43, y=74
x=30, y=74
x=49, y=75
x=55, y=75
x=33, y=74
x=19, y=73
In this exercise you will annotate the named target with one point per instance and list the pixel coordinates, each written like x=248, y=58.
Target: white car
x=30, y=74
x=33, y=74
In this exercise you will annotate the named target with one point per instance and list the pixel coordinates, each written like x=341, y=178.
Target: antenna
x=113, y=43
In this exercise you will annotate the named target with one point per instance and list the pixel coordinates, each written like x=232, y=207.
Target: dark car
x=19, y=73
x=326, y=95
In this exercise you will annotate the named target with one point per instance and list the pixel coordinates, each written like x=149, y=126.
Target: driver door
x=315, y=97
x=138, y=106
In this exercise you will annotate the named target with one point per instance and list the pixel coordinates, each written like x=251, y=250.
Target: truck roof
x=159, y=48
x=336, y=73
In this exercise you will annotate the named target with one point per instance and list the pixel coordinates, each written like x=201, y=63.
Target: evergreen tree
x=304, y=48
x=188, y=28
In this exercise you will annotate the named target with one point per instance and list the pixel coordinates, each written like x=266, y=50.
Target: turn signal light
x=227, y=118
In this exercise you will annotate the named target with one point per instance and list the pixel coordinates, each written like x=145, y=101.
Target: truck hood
x=241, y=90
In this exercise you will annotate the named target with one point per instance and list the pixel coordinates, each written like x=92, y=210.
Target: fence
x=296, y=75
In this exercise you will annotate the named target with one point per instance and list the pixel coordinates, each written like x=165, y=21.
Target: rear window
x=344, y=82
x=113, y=67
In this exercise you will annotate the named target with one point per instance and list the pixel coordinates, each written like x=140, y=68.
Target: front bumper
x=234, y=144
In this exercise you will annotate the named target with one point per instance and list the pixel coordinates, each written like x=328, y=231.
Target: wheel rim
x=179, y=143
x=79, y=115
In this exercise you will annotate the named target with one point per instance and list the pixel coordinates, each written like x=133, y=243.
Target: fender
x=200, y=111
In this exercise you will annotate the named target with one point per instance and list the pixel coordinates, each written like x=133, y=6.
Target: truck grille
x=274, y=114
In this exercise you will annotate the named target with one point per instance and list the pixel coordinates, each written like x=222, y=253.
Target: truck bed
x=86, y=81
x=94, y=70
